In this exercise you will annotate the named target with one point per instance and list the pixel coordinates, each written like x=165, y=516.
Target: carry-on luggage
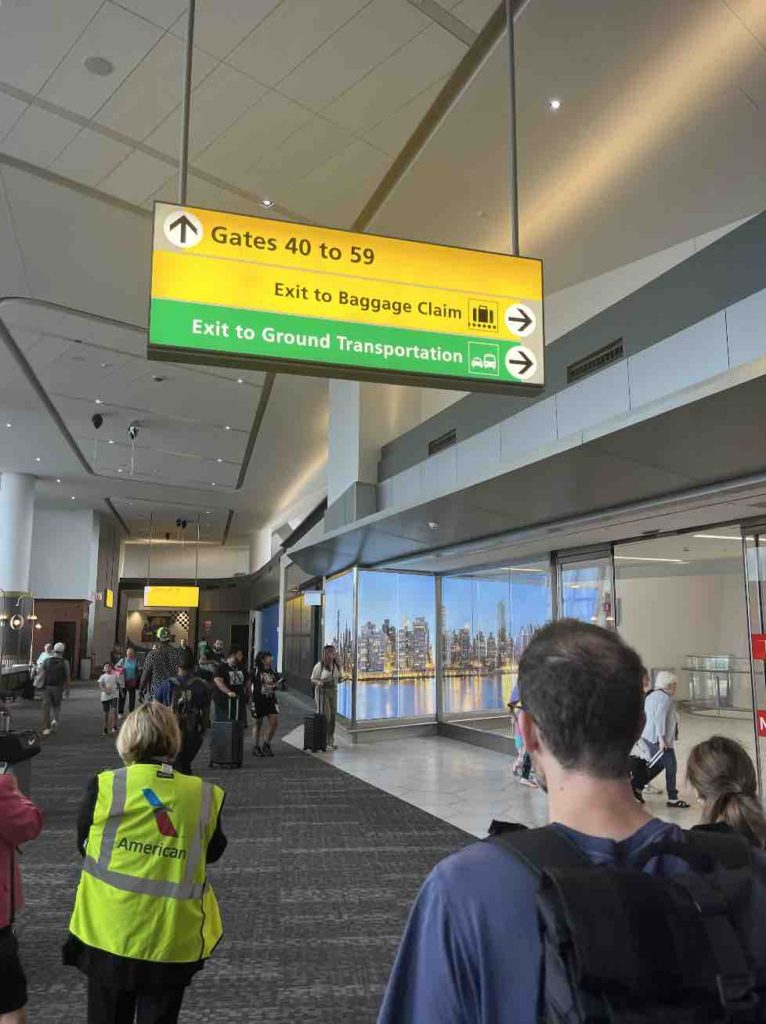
x=315, y=728
x=16, y=752
x=227, y=740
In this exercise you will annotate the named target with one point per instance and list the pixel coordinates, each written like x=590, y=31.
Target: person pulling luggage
x=325, y=677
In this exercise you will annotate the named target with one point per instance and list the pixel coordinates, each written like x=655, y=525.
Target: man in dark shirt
x=471, y=953
x=161, y=664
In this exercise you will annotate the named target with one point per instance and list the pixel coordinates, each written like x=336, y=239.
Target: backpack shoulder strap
x=729, y=849
x=541, y=849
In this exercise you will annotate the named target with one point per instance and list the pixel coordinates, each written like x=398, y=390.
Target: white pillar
x=17, y=501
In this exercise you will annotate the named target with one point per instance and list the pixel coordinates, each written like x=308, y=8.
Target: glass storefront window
x=585, y=591
x=395, y=646
x=488, y=619
x=339, y=631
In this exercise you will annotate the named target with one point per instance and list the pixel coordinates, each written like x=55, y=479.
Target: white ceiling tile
x=38, y=136
x=161, y=12
x=335, y=192
x=393, y=132
x=154, y=88
x=202, y=193
x=425, y=59
x=312, y=146
x=220, y=25
x=136, y=177
x=374, y=34
x=216, y=104
x=89, y=157
x=260, y=130
x=475, y=13
x=289, y=34
x=115, y=34
x=34, y=37
x=11, y=110
x=13, y=275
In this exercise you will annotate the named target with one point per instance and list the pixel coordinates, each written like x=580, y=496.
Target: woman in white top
x=660, y=730
x=325, y=677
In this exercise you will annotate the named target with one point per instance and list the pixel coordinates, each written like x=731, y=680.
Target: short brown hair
x=150, y=732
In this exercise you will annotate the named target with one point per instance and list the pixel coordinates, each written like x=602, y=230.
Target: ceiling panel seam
x=117, y=516
x=446, y=20
x=126, y=140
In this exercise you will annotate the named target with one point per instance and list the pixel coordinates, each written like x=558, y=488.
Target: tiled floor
x=468, y=786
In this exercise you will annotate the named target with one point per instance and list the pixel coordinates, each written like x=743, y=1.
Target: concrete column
x=17, y=501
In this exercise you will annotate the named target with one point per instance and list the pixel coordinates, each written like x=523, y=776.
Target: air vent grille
x=596, y=361
x=440, y=443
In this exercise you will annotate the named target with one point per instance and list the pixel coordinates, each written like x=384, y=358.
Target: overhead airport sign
x=249, y=291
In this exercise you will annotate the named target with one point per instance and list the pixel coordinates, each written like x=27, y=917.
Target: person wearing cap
x=660, y=731
x=57, y=676
x=161, y=665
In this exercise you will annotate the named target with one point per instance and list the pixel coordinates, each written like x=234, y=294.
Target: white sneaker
x=530, y=783
x=46, y=732
x=54, y=725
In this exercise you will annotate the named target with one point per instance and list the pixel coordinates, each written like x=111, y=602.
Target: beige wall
x=667, y=617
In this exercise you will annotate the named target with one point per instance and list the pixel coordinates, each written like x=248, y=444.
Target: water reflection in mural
x=488, y=619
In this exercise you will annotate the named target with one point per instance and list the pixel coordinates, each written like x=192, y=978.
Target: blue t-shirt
x=471, y=952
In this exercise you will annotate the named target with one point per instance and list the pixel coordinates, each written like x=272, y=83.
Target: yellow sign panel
x=109, y=599
x=171, y=597
x=313, y=300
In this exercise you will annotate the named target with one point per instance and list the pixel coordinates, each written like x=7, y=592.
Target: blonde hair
x=723, y=774
x=150, y=732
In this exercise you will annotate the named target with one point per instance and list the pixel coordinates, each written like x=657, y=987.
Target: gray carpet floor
x=315, y=885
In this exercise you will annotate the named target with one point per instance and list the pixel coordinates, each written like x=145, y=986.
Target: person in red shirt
x=20, y=821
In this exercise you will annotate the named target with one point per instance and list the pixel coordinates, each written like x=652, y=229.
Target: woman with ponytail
x=722, y=773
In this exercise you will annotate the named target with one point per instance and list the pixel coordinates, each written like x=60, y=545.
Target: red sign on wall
x=761, y=718
x=758, y=646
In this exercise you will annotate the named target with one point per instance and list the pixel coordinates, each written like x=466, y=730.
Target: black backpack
x=55, y=671
x=626, y=947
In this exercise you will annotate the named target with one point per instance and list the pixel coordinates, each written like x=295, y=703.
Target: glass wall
x=488, y=619
x=585, y=589
x=396, y=662
x=339, y=631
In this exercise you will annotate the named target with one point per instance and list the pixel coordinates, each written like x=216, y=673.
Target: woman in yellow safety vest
x=145, y=918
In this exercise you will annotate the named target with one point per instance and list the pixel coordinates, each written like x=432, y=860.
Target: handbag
x=39, y=679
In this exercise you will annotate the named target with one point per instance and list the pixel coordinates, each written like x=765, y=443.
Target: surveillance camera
x=97, y=419
x=133, y=430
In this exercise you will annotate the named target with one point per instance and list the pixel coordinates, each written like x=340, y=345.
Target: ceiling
x=660, y=137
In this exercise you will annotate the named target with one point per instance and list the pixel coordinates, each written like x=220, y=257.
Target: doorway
x=585, y=586
x=681, y=603
x=66, y=633
x=240, y=637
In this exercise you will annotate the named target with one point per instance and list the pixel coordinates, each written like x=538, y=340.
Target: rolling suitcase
x=315, y=729
x=227, y=740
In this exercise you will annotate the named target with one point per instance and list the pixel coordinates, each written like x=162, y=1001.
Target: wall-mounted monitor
x=313, y=598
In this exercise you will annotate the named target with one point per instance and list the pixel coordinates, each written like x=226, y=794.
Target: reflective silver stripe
x=116, y=811
x=196, y=852
x=144, y=886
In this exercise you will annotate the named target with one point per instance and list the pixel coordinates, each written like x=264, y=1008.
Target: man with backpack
x=605, y=915
x=57, y=677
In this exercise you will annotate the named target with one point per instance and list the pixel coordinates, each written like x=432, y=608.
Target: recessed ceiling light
x=72, y=498
x=58, y=479
x=9, y=425
x=715, y=536
x=219, y=460
x=105, y=366
x=554, y=104
x=213, y=484
x=240, y=381
x=99, y=402
x=38, y=459
x=267, y=203
x=101, y=66
x=209, y=511
x=111, y=441
x=225, y=428
x=433, y=526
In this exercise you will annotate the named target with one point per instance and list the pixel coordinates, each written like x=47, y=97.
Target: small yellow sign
x=109, y=599
x=171, y=597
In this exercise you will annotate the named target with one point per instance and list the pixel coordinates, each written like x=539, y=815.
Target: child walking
x=109, y=685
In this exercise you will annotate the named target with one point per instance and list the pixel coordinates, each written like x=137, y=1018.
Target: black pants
x=116, y=1006
x=130, y=697
x=191, y=741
